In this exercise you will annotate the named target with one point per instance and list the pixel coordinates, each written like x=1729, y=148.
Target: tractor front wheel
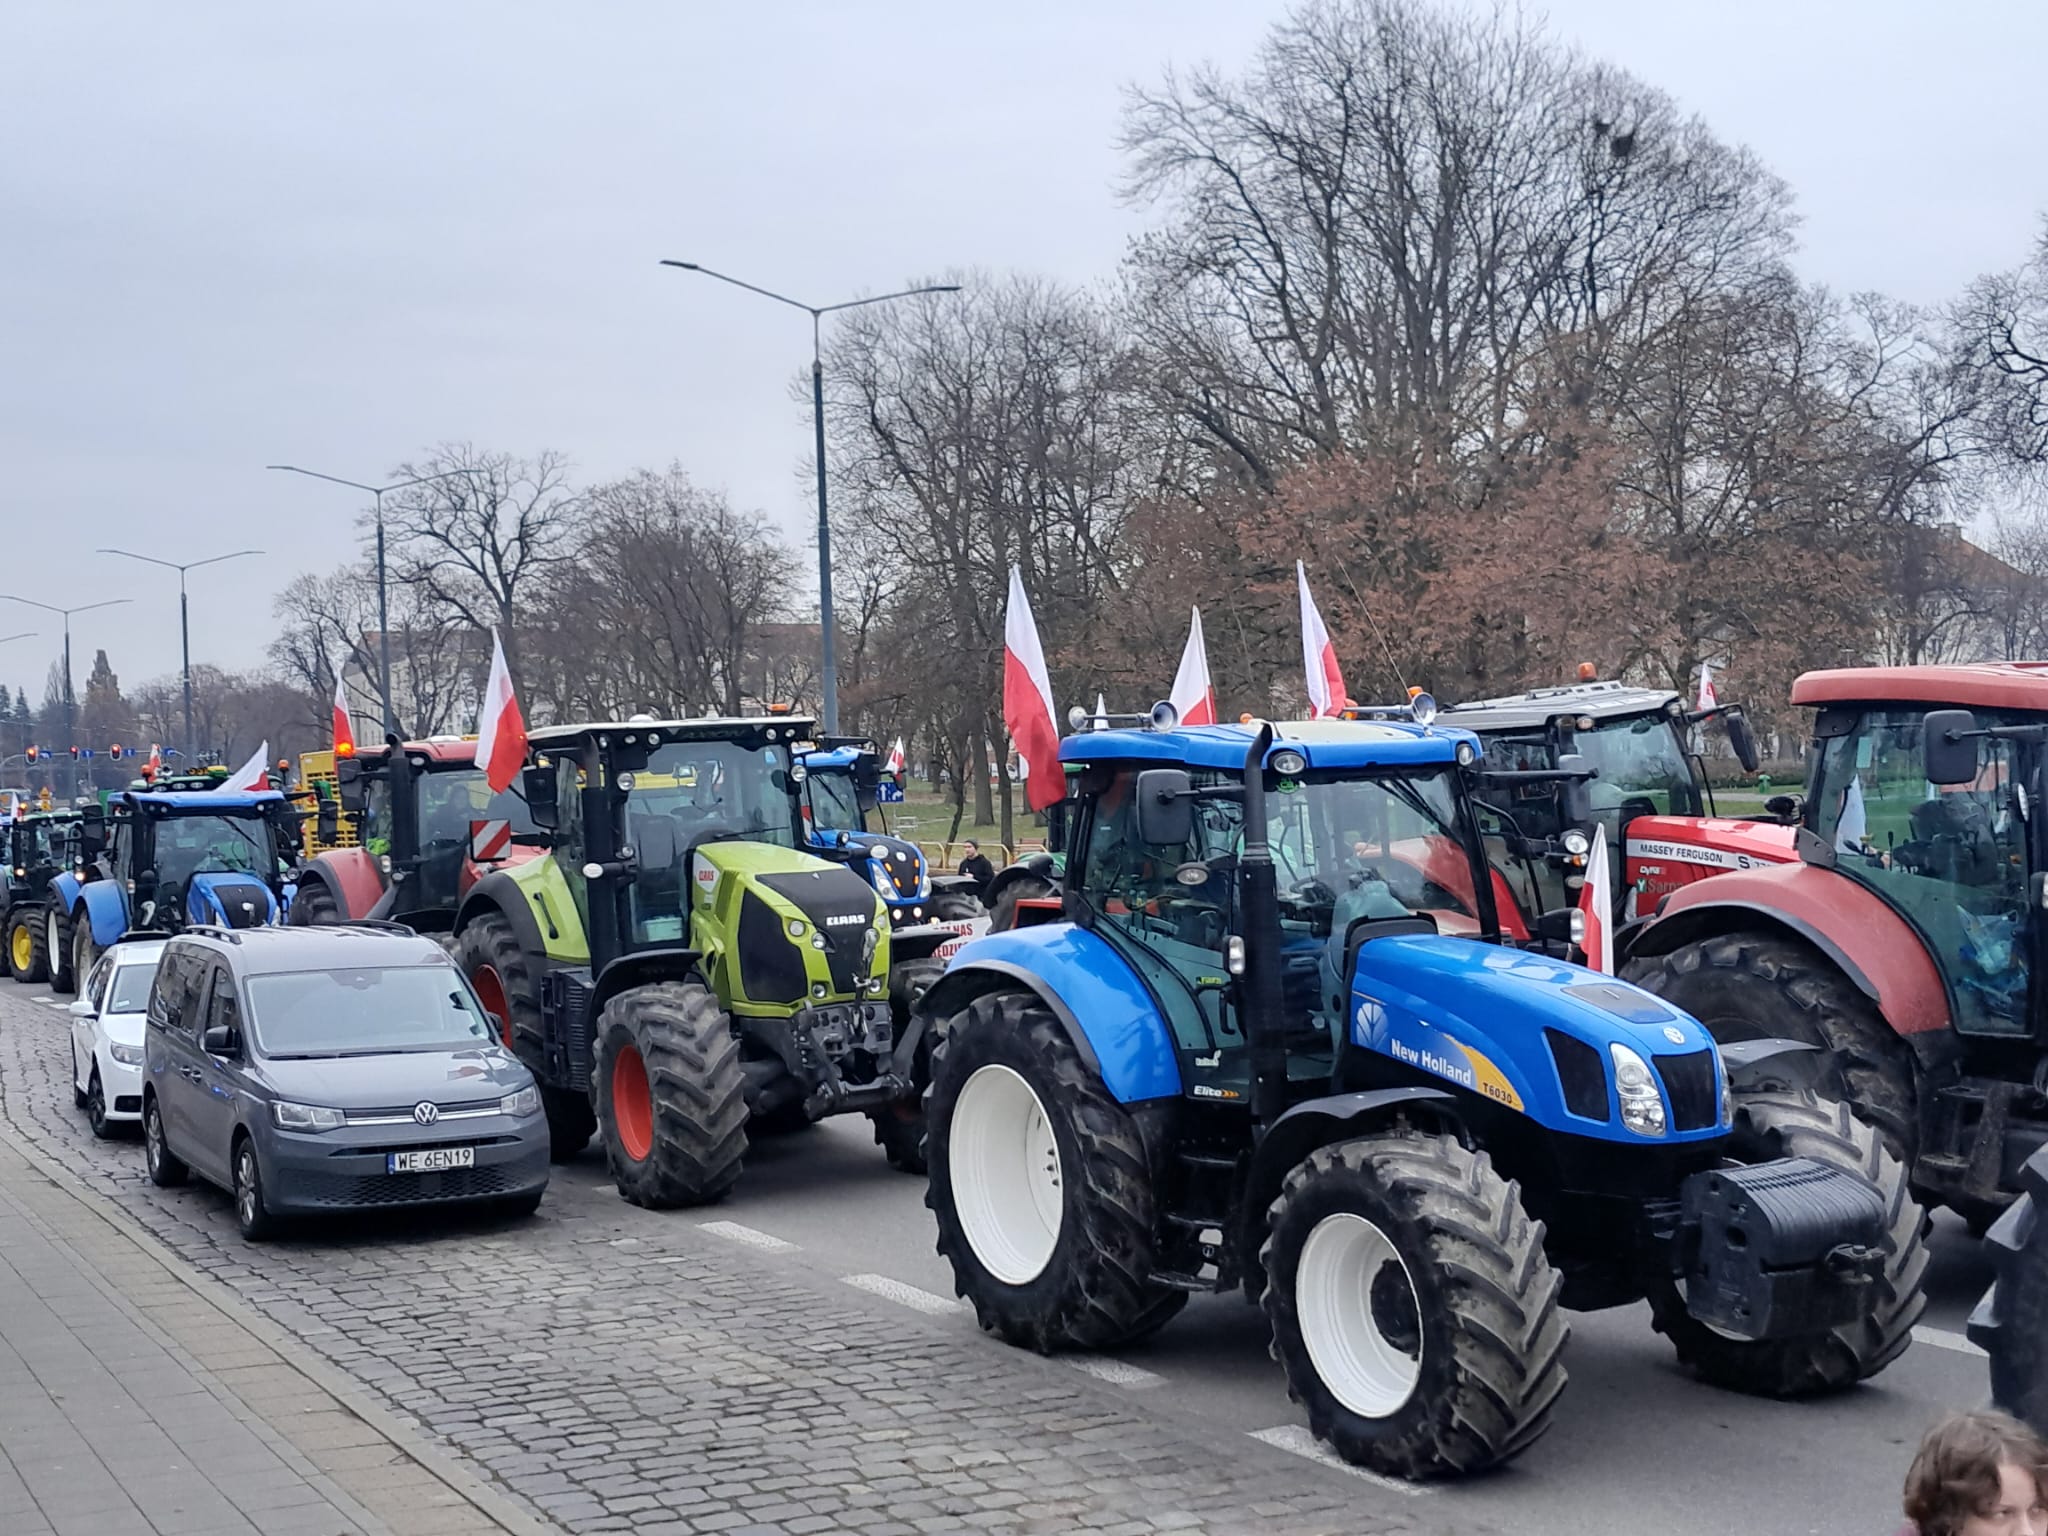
x=954, y=907
x=57, y=939
x=28, y=946
x=2011, y=1322
x=1794, y=1123
x=315, y=906
x=85, y=954
x=669, y=1095
x=502, y=973
x=1412, y=1306
x=1745, y=985
x=1002, y=917
x=1040, y=1184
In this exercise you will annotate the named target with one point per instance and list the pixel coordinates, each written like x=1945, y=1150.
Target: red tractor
x=428, y=828
x=1904, y=938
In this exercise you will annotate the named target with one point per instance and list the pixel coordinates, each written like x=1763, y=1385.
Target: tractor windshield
x=1644, y=770
x=219, y=844
x=1349, y=848
x=449, y=800
x=834, y=805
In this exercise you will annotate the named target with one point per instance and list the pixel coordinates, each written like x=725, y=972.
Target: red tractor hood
x=1667, y=853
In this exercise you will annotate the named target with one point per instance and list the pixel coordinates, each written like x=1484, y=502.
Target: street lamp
x=383, y=609
x=817, y=312
x=184, y=622
x=70, y=699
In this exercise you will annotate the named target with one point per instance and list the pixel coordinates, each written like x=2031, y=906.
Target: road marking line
x=1298, y=1439
x=1117, y=1373
x=1941, y=1338
x=753, y=1237
x=904, y=1295
x=54, y=1002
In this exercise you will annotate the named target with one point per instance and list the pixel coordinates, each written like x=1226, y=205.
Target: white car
x=106, y=1035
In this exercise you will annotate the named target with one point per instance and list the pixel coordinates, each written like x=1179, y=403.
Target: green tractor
x=676, y=969
x=34, y=849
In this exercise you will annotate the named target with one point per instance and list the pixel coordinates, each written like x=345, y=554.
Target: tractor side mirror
x=1166, y=814
x=327, y=820
x=92, y=837
x=537, y=781
x=350, y=788
x=1948, y=746
x=1574, y=795
x=1741, y=739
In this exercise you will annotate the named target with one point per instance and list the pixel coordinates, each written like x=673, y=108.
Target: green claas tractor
x=34, y=849
x=676, y=968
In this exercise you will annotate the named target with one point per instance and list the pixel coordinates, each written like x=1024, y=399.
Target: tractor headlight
x=818, y=989
x=877, y=985
x=1466, y=756
x=1576, y=927
x=817, y=941
x=1288, y=764
x=1727, y=1093
x=878, y=877
x=1642, y=1106
x=1576, y=843
x=796, y=928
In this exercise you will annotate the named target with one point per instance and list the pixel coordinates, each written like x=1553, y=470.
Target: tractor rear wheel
x=1412, y=1306
x=315, y=906
x=954, y=907
x=1040, y=1184
x=670, y=1097
x=1002, y=917
x=57, y=940
x=502, y=973
x=28, y=945
x=1744, y=986
x=85, y=952
x=1795, y=1123
x=2011, y=1322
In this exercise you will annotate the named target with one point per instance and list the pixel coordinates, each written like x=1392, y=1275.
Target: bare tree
x=330, y=630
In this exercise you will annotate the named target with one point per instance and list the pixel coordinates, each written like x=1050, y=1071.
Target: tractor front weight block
x=1779, y=1249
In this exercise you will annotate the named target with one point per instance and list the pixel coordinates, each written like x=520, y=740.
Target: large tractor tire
x=502, y=973
x=1745, y=986
x=669, y=1095
x=1412, y=1306
x=1002, y=917
x=85, y=952
x=28, y=945
x=954, y=907
x=1794, y=1123
x=57, y=941
x=315, y=906
x=1040, y=1184
x=2011, y=1322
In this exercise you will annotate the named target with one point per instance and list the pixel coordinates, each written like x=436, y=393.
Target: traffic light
x=34, y=752
x=74, y=754
x=115, y=752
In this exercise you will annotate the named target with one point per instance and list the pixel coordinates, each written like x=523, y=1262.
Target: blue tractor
x=842, y=813
x=162, y=860
x=1272, y=1041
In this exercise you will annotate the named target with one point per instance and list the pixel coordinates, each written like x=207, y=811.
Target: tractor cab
x=35, y=847
x=844, y=821
x=218, y=856
x=1650, y=792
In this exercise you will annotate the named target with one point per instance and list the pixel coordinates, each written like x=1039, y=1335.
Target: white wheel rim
x=1004, y=1165
x=1364, y=1369
x=51, y=941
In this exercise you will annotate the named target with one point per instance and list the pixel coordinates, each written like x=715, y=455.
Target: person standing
x=976, y=867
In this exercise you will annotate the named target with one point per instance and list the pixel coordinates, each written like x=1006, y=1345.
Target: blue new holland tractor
x=839, y=808
x=1272, y=1041
x=164, y=860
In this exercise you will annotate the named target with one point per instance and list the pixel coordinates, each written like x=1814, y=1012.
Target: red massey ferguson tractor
x=428, y=828
x=1906, y=939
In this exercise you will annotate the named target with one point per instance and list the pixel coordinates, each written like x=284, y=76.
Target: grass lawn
x=924, y=817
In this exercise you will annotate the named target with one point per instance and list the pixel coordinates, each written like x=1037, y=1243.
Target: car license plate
x=433, y=1160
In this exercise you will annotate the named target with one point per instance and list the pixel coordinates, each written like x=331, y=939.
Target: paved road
x=794, y=1357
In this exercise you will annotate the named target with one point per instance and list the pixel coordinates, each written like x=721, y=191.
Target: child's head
x=1979, y=1474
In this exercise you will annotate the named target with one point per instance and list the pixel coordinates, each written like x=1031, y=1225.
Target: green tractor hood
x=780, y=930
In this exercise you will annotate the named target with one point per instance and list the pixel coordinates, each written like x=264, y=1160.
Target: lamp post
x=817, y=312
x=184, y=620
x=70, y=698
x=383, y=608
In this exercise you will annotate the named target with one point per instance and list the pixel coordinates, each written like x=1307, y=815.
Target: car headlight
x=127, y=1055
x=1642, y=1106
x=521, y=1104
x=306, y=1117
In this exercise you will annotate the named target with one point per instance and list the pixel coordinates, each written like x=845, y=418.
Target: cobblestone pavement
x=616, y=1369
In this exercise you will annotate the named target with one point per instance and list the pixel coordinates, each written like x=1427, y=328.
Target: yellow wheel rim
x=22, y=946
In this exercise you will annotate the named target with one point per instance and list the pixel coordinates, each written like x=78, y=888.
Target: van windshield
x=364, y=1012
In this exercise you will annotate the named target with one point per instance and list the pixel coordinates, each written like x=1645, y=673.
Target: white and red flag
x=895, y=763
x=1596, y=902
x=254, y=774
x=1194, y=696
x=500, y=728
x=344, y=732
x=1326, y=694
x=155, y=765
x=1708, y=699
x=1027, y=701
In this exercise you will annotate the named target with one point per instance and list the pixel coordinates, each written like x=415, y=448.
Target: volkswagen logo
x=426, y=1113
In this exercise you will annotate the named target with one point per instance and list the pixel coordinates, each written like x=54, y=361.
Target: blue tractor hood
x=899, y=861
x=1486, y=1018
x=229, y=898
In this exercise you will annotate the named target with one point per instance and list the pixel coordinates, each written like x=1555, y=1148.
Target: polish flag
x=895, y=763
x=1101, y=715
x=1326, y=695
x=1596, y=901
x=344, y=733
x=155, y=765
x=254, y=774
x=1708, y=700
x=500, y=728
x=1193, y=694
x=1027, y=701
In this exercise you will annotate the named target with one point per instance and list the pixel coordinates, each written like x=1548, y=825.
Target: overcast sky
x=235, y=234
